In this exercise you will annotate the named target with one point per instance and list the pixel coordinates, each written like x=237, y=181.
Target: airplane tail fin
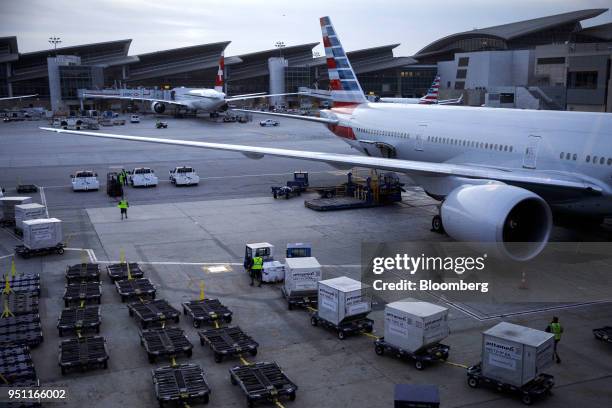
x=219, y=77
x=345, y=88
x=432, y=93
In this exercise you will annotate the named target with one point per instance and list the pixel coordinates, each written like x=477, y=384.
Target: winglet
x=342, y=80
x=219, y=77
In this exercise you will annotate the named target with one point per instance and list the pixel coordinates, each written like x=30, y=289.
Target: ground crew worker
x=125, y=177
x=121, y=177
x=123, y=206
x=555, y=328
x=256, y=268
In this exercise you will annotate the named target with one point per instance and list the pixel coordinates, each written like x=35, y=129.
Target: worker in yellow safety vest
x=555, y=328
x=256, y=269
x=123, y=206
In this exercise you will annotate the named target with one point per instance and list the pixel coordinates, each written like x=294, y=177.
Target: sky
x=255, y=25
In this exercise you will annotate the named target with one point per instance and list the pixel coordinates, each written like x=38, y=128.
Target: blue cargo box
x=416, y=396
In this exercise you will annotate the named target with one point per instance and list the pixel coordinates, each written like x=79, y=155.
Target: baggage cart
x=346, y=327
x=157, y=312
x=118, y=271
x=16, y=365
x=262, y=382
x=24, y=283
x=421, y=358
x=537, y=388
x=21, y=303
x=298, y=300
x=26, y=252
x=83, y=272
x=207, y=311
x=603, y=334
x=89, y=292
x=26, y=188
x=416, y=395
x=79, y=320
x=29, y=334
x=183, y=384
x=165, y=342
x=228, y=342
x=83, y=353
x=135, y=288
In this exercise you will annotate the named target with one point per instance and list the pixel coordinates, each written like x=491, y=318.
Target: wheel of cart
x=420, y=358
x=345, y=328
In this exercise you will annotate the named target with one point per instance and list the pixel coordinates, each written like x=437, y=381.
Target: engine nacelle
x=511, y=221
x=158, y=107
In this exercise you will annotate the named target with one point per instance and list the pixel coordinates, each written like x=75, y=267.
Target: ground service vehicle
x=85, y=180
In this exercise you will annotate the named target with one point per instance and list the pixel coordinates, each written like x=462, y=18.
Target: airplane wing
x=131, y=98
x=456, y=101
x=18, y=97
x=316, y=119
x=402, y=166
x=255, y=96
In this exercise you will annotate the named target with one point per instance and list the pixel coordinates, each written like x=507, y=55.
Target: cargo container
x=42, y=233
x=515, y=354
x=302, y=276
x=8, y=207
x=273, y=271
x=343, y=299
x=29, y=211
x=411, y=324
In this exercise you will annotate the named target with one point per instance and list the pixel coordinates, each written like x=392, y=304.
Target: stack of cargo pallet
x=30, y=211
x=165, y=342
x=183, y=384
x=153, y=313
x=40, y=237
x=140, y=288
x=207, y=311
x=119, y=271
x=79, y=319
x=7, y=206
x=16, y=367
x=20, y=325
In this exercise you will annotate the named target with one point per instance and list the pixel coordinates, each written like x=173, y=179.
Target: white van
x=85, y=180
x=142, y=177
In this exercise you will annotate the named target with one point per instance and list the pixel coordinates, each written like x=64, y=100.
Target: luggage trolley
x=83, y=353
x=228, y=342
x=21, y=330
x=26, y=252
x=16, y=365
x=306, y=301
x=603, y=334
x=181, y=384
x=422, y=357
x=88, y=292
x=153, y=312
x=347, y=327
x=168, y=342
x=118, y=271
x=135, y=288
x=207, y=311
x=24, y=283
x=84, y=272
x=539, y=387
x=79, y=319
x=21, y=303
x=262, y=382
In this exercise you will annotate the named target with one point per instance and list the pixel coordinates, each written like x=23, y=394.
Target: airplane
x=499, y=174
x=18, y=97
x=430, y=98
x=206, y=100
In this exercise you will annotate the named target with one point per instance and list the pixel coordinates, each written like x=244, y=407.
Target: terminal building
x=544, y=63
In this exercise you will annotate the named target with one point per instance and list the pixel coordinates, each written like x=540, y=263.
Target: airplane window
x=562, y=154
x=594, y=159
x=511, y=148
x=505, y=148
x=588, y=158
x=610, y=162
x=567, y=156
x=602, y=160
x=574, y=157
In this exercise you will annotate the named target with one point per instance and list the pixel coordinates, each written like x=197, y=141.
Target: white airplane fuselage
x=207, y=100
x=575, y=143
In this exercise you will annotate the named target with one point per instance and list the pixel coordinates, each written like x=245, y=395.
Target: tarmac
x=183, y=236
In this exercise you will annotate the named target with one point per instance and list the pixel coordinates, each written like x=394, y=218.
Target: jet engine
x=158, y=107
x=510, y=221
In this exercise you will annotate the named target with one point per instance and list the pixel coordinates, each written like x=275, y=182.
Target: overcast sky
x=256, y=25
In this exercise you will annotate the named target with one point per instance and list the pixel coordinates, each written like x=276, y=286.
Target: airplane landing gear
x=436, y=224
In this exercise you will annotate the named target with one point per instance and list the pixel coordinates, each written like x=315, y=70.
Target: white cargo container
x=30, y=211
x=341, y=298
x=515, y=354
x=42, y=233
x=273, y=271
x=8, y=206
x=411, y=324
x=302, y=276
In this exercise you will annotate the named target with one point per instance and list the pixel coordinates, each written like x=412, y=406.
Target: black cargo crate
x=16, y=365
x=228, y=342
x=29, y=334
x=603, y=334
x=165, y=342
x=207, y=311
x=262, y=381
x=90, y=292
x=118, y=271
x=153, y=312
x=19, y=320
x=135, y=288
x=183, y=384
x=21, y=303
x=24, y=283
x=81, y=319
x=83, y=353
x=83, y=272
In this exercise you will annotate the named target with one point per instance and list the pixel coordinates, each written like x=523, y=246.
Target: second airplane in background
x=431, y=98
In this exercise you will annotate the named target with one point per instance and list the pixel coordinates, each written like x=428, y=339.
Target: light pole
x=280, y=45
x=54, y=41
